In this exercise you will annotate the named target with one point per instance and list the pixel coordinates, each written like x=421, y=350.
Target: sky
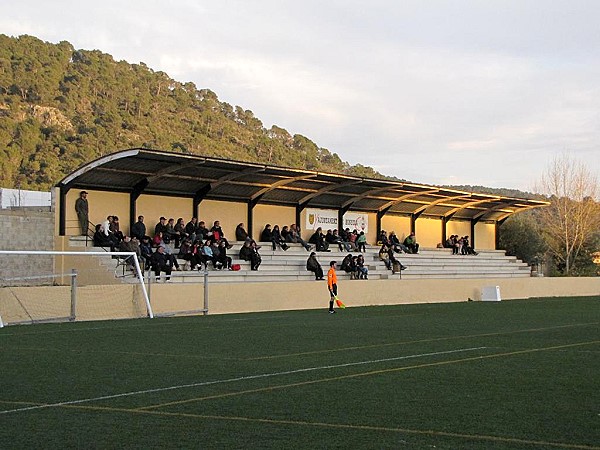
x=443, y=92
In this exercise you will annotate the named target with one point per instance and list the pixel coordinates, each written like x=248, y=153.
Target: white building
x=19, y=198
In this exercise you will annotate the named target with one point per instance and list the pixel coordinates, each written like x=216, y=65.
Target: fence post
x=73, y=294
x=205, y=312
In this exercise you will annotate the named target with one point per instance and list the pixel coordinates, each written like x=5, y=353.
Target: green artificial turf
x=496, y=375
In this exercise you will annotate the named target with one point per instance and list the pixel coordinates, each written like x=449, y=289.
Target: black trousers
x=318, y=271
x=164, y=268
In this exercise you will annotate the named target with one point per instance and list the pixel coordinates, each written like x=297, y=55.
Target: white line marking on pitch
x=231, y=380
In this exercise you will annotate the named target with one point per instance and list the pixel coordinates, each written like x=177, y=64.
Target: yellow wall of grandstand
x=399, y=224
x=459, y=227
x=485, y=235
x=153, y=207
x=228, y=213
x=272, y=214
x=428, y=232
x=101, y=204
x=96, y=302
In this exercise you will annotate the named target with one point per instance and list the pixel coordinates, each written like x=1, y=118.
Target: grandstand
x=153, y=184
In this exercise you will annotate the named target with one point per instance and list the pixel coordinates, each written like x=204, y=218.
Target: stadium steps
x=290, y=265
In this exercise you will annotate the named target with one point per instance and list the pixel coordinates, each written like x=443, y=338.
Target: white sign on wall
x=355, y=221
x=327, y=219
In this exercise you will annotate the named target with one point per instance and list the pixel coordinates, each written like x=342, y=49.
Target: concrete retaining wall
x=26, y=230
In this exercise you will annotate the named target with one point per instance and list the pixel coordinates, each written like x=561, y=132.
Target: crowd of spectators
x=459, y=245
x=200, y=246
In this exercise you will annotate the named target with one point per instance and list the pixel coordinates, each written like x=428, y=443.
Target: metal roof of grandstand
x=174, y=174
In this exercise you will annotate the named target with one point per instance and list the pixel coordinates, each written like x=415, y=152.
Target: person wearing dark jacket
x=267, y=234
x=277, y=240
x=82, y=209
x=191, y=228
x=101, y=240
x=218, y=235
x=161, y=262
x=240, y=233
x=222, y=257
x=313, y=265
x=318, y=239
x=161, y=226
x=138, y=229
x=249, y=252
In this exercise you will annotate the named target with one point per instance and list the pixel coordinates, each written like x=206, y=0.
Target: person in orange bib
x=332, y=285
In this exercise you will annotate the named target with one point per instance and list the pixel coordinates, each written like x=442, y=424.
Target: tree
x=570, y=224
x=520, y=236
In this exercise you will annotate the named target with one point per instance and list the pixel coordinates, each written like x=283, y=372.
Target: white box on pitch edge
x=490, y=294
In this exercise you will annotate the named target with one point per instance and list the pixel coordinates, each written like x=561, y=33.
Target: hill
x=61, y=107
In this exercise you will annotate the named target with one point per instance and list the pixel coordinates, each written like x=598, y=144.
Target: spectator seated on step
x=277, y=239
x=363, y=271
x=129, y=244
x=249, y=252
x=466, y=248
x=100, y=239
x=293, y=236
x=202, y=232
x=313, y=266
x=208, y=254
x=382, y=239
x=217, y=234
x=222, y=259
x=161, y=262
x=191, y=228
x=318, y=239
x=161, y=226
x=189, y=252
x=138, y=230
x=107, y=230
x=411, y=243
x=146, y=250
x=396, y=244
x=347, y=263
x=115, y=228
x=351, y=237
x=169, y=250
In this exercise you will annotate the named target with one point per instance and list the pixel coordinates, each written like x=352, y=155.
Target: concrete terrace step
x=290, y=265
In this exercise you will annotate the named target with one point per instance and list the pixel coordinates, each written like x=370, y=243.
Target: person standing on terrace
x=82, y=209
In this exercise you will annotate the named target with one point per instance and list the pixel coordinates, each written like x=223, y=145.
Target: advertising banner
x=355, y=221
x=325, y=218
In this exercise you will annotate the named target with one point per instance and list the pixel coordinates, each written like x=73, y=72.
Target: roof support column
x=498, y=225
x=445, y=221
x=198, y=197
x=341, y=212
x=473, y=223
x=133, y=196
x=413, y=221
x=380, y=215
x=250, y=218
x=251, y=204
x=62, y=212
x=299, y=209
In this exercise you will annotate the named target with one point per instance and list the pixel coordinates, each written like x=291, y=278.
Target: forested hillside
x=61, y=107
